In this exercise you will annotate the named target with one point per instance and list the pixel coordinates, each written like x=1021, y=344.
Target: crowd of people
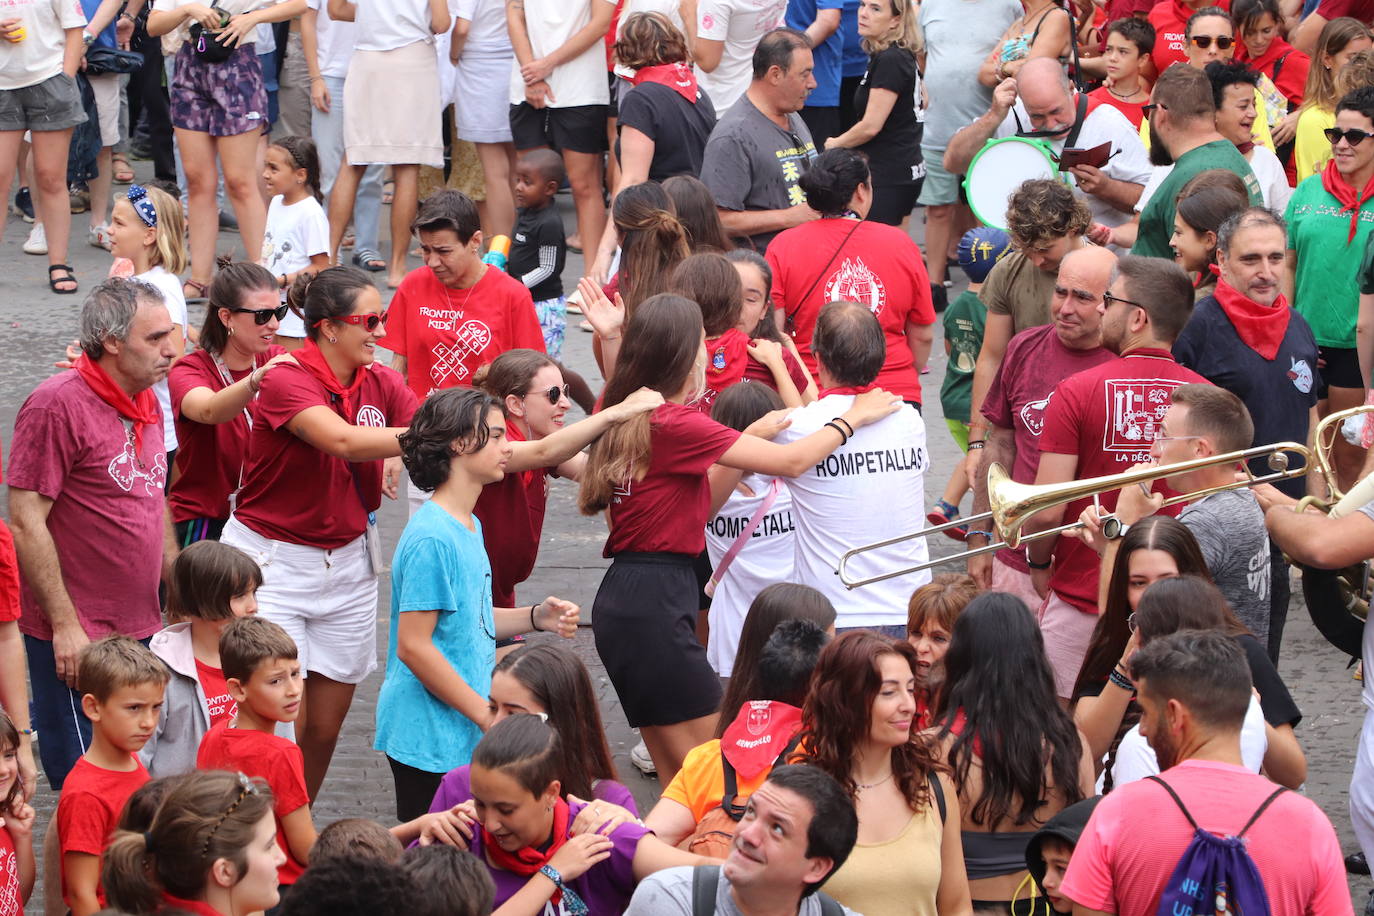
x=1170, y=268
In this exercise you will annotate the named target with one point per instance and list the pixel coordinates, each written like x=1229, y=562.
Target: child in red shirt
x=122, y=685
x=17, y=865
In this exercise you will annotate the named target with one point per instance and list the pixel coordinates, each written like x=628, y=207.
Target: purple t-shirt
x=456, y=788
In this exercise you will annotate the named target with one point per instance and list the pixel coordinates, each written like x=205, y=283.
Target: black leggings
x=415, y=789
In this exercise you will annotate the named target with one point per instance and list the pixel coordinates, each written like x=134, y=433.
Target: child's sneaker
x=943, y=513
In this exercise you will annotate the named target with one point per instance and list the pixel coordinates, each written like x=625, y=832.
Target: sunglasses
x=262, y=316
x=1205, y=41
x=1149, y=109
x=554, y=394
x=1108, y=300
x=370, y=321
x=1352, y=136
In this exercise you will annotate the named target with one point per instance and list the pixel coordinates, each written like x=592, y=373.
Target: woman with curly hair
x=858, y=725
x=1015, y=754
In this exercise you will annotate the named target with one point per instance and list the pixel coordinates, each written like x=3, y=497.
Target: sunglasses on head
x=1205, y=41
x=1353, y=136
x=262, y=316
x=554, y=394
x=370, y=321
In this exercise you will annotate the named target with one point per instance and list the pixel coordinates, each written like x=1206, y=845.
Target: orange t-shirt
x=700, y=784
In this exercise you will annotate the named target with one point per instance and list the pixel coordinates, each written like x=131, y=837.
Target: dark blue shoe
x=23, y=204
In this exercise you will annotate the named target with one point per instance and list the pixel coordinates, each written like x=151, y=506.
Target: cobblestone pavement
x=35, y=325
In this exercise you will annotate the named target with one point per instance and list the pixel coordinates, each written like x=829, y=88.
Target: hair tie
x=147, y=842
x=138, y=196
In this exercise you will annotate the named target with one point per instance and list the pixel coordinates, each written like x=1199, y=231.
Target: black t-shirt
x=894, y=155
x=537, y=252
x=678, y=127
x=1279, y=393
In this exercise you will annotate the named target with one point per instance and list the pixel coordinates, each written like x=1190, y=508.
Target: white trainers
x=642, y=761
x=38, y=240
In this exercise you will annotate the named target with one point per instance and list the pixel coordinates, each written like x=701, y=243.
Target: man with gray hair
x=871, y=488
x=87, y=477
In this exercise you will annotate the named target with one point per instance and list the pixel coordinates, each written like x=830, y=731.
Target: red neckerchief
x=528, y=860
x=1344, y=192
x=726, y=358
x=1246, y=147
x=173, y=902
x=676, y=76
x=760, y=732
x=1265, y=63
x=311, y=359
x=1261, y=327
x=847, y=389
x=141, y=409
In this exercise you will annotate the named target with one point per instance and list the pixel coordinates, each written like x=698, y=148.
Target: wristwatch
x=87, y=38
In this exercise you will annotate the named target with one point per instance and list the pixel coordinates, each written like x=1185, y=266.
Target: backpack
x=715, y=832
x=706, y=880
x=1215, y=873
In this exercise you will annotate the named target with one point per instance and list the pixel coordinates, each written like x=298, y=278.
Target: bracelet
x=977, y=443
x=1121, y=680
x=534, y=627
x=847, y=425
x=1039, y=566
x=254, y=381
x=26, y=731
x=973, y=532
x=844, y=437
x=548, y=871
x=313, y=78
x=124, y=14
x=608, y=339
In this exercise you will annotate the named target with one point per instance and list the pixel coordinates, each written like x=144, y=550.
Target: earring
x=231, y=332
x=333, y=340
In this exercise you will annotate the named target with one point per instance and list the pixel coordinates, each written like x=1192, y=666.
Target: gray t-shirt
x=669, y=893
x=1229, y=528
x=751, y=163
x=959, y=34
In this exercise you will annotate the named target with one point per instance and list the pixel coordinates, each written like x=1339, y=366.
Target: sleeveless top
x=898, y=878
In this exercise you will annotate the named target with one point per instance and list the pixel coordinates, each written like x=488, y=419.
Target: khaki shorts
x=106, y=88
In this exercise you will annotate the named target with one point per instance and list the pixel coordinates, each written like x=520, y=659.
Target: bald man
x=1041, y=103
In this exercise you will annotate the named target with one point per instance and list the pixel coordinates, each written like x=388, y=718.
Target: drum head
x=998, y=170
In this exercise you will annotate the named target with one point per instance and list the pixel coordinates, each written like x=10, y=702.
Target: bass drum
x=1338, y=599
x=1000, y=167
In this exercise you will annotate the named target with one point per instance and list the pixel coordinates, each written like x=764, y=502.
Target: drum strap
x=790, y=317
x=1080, y=114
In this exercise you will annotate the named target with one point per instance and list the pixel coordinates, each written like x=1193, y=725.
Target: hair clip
x=138, y=196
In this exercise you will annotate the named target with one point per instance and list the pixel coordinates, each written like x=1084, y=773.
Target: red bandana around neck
x=847, y=389
x=761, y=731
x=527, y=860
x=141, y=409
x=311, y=358
x=200, y=907
x=676, y=76
x=1261, y=327
x=1335, y=184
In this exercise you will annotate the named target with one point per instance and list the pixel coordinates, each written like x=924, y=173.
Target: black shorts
x=644, y=619
x=893, y=203
x=580, y=129
x=1341, y=368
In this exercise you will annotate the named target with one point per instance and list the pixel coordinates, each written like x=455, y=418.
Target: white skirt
x=483, y=114
x=391, y=107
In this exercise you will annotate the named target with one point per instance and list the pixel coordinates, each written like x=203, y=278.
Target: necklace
x=872, y=785
x=1127, y=96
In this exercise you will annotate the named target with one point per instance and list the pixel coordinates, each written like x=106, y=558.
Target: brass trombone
x=1013, y=503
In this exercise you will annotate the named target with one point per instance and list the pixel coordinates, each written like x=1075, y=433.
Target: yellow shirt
x=1311, y=149
x=1259, y=130
x=898, y=878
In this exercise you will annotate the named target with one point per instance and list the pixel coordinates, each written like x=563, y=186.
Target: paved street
x=37, y=324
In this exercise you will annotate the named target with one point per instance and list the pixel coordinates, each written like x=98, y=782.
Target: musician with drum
x=1036, y=117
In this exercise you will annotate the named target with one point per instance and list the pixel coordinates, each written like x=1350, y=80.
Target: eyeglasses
x=554, y=394
x=370, y=321
x=1130, y=622
x=1108, y=300
x=246, y=788
x=1205, y=41
x=1352, y=136
x=1150, y=108
x=262, y=316
x=1175, y=438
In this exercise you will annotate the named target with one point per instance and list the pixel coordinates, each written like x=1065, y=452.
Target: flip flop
x=368, y=259
x=388, y=191
x=123, y=172
x=69, y=278
x=197, y=293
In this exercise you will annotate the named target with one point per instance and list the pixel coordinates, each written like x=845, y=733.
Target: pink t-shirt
x=108, y=503
x=1137, y=834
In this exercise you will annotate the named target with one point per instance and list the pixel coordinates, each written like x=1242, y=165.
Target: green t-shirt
x=1157, y=219
x=964, y=322
x=1326, y=283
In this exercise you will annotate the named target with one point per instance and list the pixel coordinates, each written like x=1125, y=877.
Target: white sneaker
x=642, y=761
x=38, y=240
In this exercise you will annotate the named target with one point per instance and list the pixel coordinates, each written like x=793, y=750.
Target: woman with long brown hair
x=859, y=726
x=650, y=473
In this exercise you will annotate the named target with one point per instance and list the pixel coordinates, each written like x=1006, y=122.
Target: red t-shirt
x=296, y=493
x=1292, y=75
x=729, y=362
x=512, y=516
x=1362, y=10
x=209, y=455
x=11, y=901
x=448, y=334
x=273, y=759
x=1170, y=17
x=107, y=515
x=9, y=569
x=1034, y=363
x=90, y=806
x=1137, y=834
x=1134, y=111
x=1108, y=416
x=218, y=703
x=667, y=510
x=878, y=266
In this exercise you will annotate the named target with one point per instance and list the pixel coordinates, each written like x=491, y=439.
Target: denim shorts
x=54, y=104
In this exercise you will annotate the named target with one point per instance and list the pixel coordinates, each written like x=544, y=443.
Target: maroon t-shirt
x=209, y=455
x=512, y=515
x=1362, y=10
x=667, y=510
x=296, y=493
x=1108, y=416
x=1035, y=361
x=108, y=505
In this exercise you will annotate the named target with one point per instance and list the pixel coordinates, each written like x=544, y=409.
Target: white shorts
x=106, y=88
x=325, y=599
x=1067, y=632
x=1362, y=785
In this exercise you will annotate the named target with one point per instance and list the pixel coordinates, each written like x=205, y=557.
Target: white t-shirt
x=172, y=41
x=294, y=233
x=869, y=489
x=740, y=24
x=1270, y=175
x=1157, y=175
x=39, y=56
x=488, y=33
x=170, y=287
x=334, y=42
x=582, y=80
x=1135, y=759
x=385, y=25
x=1104, y=124
x=768, y=557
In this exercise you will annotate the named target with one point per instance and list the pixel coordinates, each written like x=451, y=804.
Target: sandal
x=197, y=290
x=69, y=278
x=942, y=514
x=122, y=171
x=388, y=191
x=368, y=259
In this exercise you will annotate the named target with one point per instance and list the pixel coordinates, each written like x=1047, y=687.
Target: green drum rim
x=1000, y=221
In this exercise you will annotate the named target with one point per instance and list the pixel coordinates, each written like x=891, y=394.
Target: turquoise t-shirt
x=439, y=566
x=1326, y=287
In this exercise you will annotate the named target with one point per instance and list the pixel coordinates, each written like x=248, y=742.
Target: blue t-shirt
x=855, y=58
x=106, y=38
x=441, y=566
x=800, y=15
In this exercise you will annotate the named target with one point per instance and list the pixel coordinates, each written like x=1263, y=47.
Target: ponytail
x=653, y=241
